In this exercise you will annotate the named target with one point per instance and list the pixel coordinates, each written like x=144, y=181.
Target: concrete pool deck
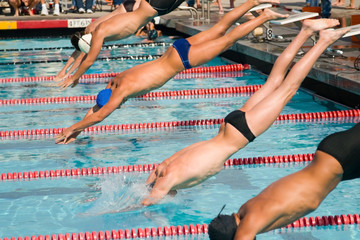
x=333, y=76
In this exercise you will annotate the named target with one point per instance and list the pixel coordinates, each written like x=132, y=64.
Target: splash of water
x=119, y=193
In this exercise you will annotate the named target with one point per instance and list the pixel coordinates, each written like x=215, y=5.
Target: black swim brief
x=238, y=120
x=345, y=147
x=129, y=5
x=164, y=6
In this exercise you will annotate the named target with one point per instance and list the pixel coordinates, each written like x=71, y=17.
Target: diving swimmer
x=183, y=54
x=337, y=159
x=196, y=163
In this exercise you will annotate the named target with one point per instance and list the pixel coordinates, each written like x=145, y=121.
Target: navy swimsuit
x=182, y=46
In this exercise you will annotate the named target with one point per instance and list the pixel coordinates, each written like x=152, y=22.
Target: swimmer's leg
x=263, y=114
x=282, y=63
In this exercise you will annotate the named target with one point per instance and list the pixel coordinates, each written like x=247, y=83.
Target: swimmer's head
x=223, y=227
x=75, y=39
x=103, y=97
x=152, y=34
x=85, y=43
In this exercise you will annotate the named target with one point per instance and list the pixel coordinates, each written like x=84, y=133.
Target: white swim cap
x=85, y=43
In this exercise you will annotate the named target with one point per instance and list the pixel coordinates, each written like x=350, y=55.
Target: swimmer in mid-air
x=337, y=158
x=124, y=21
x=196, y=163
x=183, y=54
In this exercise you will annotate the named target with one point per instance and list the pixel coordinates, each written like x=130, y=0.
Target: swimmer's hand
x=156, y=173
x=68, y=82
x=60, y=77
x=67, y=136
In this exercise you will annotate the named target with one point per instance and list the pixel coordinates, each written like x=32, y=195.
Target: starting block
x=354, y=30
x=295, y=18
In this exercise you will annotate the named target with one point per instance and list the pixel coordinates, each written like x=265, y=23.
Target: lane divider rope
x=191, y=229
x=85, y=77
x=353, y=114
x=120, y=58
x=176, y=93
x=32, y=175
x=109, y=46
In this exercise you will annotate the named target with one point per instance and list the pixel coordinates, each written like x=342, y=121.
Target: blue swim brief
x=182, y=46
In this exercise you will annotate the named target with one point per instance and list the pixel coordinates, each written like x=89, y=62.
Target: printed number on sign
x=78, y=23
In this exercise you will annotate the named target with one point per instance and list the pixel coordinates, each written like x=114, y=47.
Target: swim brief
x=164, y=6
x=345, y=147
x=129, y=5
x=182, y=46
x=237, y=119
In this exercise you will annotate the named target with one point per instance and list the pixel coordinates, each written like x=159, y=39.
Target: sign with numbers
x=79, y=23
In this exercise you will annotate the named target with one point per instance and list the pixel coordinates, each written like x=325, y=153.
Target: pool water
x=106, y=202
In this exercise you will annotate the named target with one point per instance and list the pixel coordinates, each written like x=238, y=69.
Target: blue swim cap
x=103, y=97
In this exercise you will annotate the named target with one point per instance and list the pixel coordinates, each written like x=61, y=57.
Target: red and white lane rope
x=176, y=93
x=118, y=58
x=197, y=229
x=142, y=168
x=352, y=115
x=109, y=46
x=84, y=78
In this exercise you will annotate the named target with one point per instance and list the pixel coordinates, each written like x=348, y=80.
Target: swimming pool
x=74, y=204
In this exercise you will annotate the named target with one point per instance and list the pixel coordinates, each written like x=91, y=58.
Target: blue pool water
x=99, y=203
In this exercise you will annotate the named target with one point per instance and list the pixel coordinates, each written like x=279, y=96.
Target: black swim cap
x=223, y=227
x=75, y=39
x=152, y=34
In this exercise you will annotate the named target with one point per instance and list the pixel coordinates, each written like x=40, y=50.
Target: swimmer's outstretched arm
x=88, y=60
x=75, y=64
x=62, y=74
x=93, y=116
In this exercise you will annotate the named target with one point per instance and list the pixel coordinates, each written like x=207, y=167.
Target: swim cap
x=85, y=43
x=103, y=97
x=223, y=227
x=152, y=34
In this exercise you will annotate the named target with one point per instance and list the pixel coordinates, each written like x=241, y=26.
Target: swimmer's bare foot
x=312, y=26
x=271, y=15
x=329, y=36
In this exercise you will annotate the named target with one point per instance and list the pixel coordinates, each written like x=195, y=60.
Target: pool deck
x=333, y=76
